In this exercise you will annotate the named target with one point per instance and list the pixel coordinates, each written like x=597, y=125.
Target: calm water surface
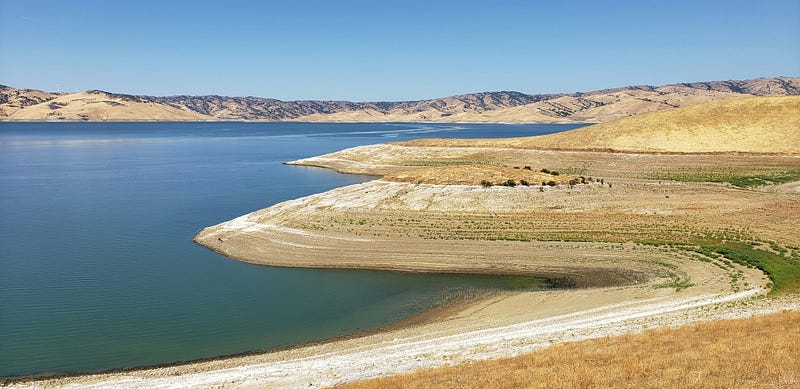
x=97, y=267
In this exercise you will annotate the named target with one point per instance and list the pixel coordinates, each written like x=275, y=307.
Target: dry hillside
x=753, y=125
x=101, y=106
x=505, y=106
x=12, y=99
x=582, y=107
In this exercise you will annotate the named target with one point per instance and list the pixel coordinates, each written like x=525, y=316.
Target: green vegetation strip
x=783, y=272
x=739, y=180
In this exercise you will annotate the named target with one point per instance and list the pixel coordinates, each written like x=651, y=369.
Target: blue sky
x=381, y=50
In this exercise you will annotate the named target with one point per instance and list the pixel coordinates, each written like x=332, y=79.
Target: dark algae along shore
x=98, y=270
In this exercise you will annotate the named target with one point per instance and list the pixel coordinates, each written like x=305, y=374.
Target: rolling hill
x=751, y=125
x=596, y=106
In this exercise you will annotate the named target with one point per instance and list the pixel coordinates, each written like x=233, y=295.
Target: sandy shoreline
x=456, y=340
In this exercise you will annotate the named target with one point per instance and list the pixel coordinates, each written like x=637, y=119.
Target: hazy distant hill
x=596, y=106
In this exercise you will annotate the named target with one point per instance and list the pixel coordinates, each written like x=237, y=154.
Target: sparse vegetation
x=575, y=170
x=740, y=178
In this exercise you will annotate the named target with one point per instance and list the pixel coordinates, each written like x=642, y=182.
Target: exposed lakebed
x=98, y=270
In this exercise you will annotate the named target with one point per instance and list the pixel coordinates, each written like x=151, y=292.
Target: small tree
x=485, y=183
x=551, y=183
x=524, y=183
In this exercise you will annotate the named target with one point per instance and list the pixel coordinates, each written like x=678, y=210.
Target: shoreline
x=398, y=351
x=289, y=121
x=636, y=249
x=428, y=315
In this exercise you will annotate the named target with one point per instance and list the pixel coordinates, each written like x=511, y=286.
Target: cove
x=97, y=267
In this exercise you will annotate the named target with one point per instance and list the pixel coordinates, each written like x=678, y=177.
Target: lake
x=98, y=270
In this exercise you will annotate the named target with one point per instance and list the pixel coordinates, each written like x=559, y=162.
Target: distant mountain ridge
x=504, y=106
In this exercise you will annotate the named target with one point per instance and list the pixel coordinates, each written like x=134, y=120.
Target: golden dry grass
x=753, y=124
x=101, y=106
x=473, y=175
x=745, y=353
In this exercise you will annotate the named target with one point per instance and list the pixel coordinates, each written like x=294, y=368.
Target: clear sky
x=390, y=50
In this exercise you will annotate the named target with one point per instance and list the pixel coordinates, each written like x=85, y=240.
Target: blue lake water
x=98, y=270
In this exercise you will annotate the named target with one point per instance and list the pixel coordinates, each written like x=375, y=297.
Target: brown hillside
x=97, y=105
x=505, y=106
x=13, y=99
x=754, y=125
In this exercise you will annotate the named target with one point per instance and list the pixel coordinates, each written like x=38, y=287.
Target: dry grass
x=757, y=352
x=754, y=124
x=101, y=106
x=475, y=174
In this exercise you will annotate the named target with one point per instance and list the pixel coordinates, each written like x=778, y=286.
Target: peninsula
x=662, y=219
